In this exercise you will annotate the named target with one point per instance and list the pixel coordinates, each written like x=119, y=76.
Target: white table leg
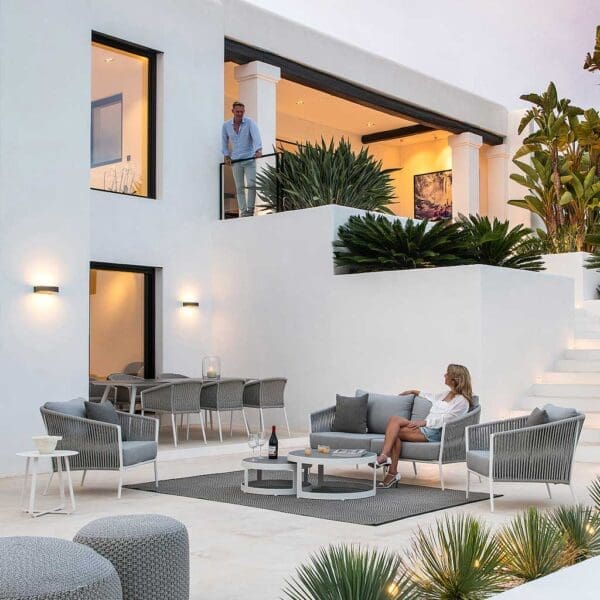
x=375, y=480
x=25, y=482
x=70, y=484
x=61, y=483
x=33, y=485
x=132, y=393
x=299, y=472
x=107, y=389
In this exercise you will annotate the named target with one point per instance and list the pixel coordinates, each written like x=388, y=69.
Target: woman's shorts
x=431, y=434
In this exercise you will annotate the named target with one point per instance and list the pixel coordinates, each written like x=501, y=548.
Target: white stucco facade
x=269, y=302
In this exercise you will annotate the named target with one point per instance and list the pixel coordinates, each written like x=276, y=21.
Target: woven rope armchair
x=266, y=393
x=509, y=451
x=100, y=445
x=181, y=397
x=224, y=396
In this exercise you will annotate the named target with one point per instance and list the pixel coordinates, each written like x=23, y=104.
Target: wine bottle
x=273, y=444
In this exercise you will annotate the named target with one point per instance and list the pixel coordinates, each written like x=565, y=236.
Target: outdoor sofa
x=451, y=448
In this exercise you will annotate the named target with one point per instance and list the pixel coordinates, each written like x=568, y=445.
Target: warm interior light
x=370, y=124
x=299, y=101
x=590, y=529
x=393, y=590
x=45, y=289
x=109, y=59
x=477, y=564
x=192, y=304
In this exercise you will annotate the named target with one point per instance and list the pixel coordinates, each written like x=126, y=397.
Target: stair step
x=590, y=334
x=566, y=365
x=584, y=405
x=572, y=377
x=591, y=435
x=583, y=343
x=566, y=390
x=582, y=355
x=588, y=453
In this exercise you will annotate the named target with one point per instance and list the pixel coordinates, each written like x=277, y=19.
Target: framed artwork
x=107, y=131
x=433, y=195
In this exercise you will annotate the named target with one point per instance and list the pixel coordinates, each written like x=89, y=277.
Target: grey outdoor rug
x=386, y=506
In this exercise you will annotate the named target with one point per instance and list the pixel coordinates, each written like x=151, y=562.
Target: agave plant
x=580, y=528
x=594, y=490
x=375, y=243
x=457, y=560
x=319, y=174
x=531, y=546
x=496, y=243
x=349, y=573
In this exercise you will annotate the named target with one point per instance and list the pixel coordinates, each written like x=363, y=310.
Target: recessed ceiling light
x=370, y=124
x=109, y=59
x=299, y=101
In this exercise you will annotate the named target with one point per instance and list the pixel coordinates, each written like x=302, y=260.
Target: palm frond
x=458, y=560
x=580, y=528
x=531, y=546
x=348, y=572
x=594, y=490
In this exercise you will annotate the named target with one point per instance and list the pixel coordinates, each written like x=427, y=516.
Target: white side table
x=60, y=456
x=271, y=487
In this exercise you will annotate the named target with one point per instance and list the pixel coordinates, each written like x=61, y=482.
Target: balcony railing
x=228, y=202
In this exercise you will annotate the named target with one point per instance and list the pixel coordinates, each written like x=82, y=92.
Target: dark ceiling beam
x=393, y=134
x=241, y=53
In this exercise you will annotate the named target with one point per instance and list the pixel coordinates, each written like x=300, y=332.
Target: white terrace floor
x=241, y=552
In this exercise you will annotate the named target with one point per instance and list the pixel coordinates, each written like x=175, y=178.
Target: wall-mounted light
x=192, y=304
x=45, y=289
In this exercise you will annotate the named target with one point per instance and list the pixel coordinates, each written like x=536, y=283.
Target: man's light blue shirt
x=245, y=143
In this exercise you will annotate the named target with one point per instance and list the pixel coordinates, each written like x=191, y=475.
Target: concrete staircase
x=575, y=381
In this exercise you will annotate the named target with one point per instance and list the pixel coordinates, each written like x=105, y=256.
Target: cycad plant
x=348, y=572
x=376, y=243
x=457, y=560
x=319, y=174
x=594, y=490
x=531, y=546
x=496, y=243
x=580, y=529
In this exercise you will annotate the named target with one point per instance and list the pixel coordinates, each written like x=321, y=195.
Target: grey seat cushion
x=479, y=461
x=136, y=452
x=558, y=413
x=338, y=439
x=383, y=406
x=412, y=450
x=73, y=408
x=420, y=408
x=350, y=414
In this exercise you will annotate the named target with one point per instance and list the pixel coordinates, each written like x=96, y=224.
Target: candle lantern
x=211, y=367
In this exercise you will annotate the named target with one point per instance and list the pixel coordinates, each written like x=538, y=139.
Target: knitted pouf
x=150, y=553
x=44, y=568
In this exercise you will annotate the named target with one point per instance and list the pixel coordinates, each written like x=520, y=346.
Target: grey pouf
x=150, y=553
x=45, y=568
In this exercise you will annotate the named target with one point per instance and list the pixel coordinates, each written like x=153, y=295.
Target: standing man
x=241, y=144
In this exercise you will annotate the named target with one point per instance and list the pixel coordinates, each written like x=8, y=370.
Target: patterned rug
x=386, y=506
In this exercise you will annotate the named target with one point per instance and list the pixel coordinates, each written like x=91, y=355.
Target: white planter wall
x=572, y=265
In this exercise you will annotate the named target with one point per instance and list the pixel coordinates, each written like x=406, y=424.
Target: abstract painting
x=433, y=195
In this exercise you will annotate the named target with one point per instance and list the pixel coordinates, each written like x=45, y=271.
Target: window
x=123, y=117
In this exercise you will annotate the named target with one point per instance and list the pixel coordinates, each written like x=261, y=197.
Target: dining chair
x=224, y=396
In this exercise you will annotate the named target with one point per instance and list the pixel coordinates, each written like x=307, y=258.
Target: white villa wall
x=279, y=310
x=44, y=212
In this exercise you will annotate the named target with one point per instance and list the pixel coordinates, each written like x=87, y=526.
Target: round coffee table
x=332, y=491
x=270, y=487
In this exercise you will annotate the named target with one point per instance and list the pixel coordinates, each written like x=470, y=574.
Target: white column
x=516, y=191
x=258, y=91
x=498, y=158
x=465, y=173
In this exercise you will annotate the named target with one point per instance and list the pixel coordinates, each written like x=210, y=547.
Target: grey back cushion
x=350, y=414
x=558, y=413
x=537, y=417
x=73, y=408
x=420, y=409
x=383, y=406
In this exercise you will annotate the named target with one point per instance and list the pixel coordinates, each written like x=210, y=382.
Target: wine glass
x=253, y=442
x=261, y=439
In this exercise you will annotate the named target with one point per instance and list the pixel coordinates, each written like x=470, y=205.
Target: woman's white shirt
x=442, y=411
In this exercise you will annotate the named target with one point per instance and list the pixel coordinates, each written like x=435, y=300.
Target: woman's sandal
x=389, y=481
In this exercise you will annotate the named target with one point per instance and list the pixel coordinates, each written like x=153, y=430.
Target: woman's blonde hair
x=461, y=380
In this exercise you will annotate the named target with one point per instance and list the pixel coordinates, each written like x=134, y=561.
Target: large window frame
x=151, y=55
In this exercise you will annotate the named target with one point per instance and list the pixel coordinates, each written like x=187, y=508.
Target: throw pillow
x=383, y=406
x=104, y=412
x=537, y=417
x=350, y=414
x=558, y=413
x=421, y=408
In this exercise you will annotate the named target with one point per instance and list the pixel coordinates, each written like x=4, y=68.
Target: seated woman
x=445, y=406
